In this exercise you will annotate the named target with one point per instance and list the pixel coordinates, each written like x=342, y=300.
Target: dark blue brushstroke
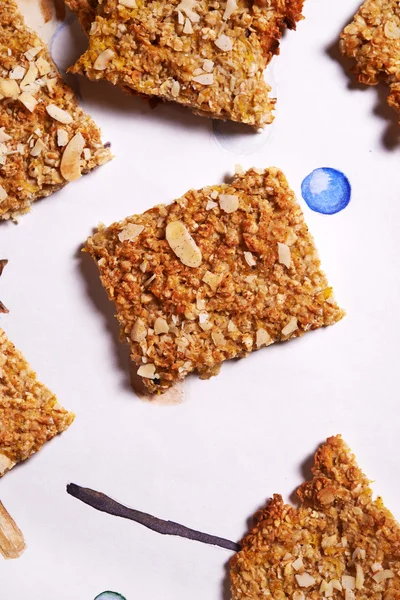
x=326, y=190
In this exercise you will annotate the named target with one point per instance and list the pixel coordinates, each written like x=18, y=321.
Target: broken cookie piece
x=373, y=40
x=209, y=56
x=340, y=543
x=30, y=415
x=221, y=272
x=46, y=140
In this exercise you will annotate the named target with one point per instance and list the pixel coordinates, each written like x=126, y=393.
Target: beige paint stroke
x=12, y=543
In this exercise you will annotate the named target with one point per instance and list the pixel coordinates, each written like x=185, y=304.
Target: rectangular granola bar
x=373, y=40
x=207, y=55
x=215, y=275
x=30, y=415
x=46, y=140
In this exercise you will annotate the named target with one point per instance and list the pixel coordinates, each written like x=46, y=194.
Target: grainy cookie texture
x=205, y=54
x=30, y=415
x=373, y=40
x=216, y=274
x=339, y=544
x=46, y=140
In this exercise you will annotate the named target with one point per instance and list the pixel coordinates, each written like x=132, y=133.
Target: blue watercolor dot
x=326, y=191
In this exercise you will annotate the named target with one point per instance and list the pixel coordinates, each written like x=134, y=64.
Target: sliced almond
x=62, y=137
x=38, y=148
x=187, y=7
x=211, y=204
x=128, y=3
x=3, y=196
x=43, y=66
x=9, y=88
x=249, y=258
x=4, y=137
x=212, y=279
x=28, y=101
x=130, y=232
x=18, y=72
x=263, y=339
x=382, y=575
x=204, y=79
x=305, y=580
x=5, y=464
x=147, y=371
x=229, y=203
x=188, y=29
x=139, y=331
x=58, y=114
x=208, y=65
x=70, y=166
x=231, y=6
x=284, y=255
x=348, y=582
x=204, y=321
x=359, y=577
x=160, y=326
x=182, y=244
x=224, y=43
x=218, y=338
x=30, y=76
x=290, y=327
x=298, y=563
x=102, y=61
x=175, y=89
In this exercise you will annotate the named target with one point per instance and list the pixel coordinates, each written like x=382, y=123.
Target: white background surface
x=238, y=438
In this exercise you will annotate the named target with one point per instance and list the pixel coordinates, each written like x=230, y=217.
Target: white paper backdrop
x=238, y=438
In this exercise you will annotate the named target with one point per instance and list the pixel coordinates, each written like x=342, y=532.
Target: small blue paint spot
x=326, y=191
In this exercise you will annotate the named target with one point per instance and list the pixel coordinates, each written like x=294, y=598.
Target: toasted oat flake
x=229, y=203
x=201, y=285
x=130, y=232
x=182, y=244
x=175, y=88
x=290, y=327
x=58, y=114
